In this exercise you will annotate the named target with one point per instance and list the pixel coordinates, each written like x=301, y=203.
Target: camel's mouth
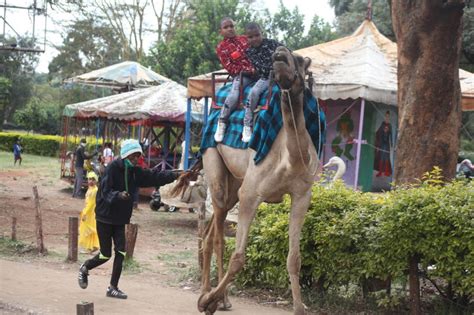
x=280, y=56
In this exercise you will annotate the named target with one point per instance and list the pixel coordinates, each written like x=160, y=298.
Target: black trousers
x=107, y=233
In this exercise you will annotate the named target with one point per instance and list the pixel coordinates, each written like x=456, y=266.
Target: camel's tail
x=185, y=178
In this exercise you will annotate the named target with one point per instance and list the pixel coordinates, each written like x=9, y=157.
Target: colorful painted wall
x=378, y=141
x=342, y=127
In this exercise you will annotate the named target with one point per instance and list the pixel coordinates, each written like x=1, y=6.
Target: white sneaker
x=219, y=135
x=246, y=134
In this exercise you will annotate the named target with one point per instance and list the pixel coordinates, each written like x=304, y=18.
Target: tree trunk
x=429, y=99
x=414, y=280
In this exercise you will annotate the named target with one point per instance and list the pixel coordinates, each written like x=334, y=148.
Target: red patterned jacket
x=231, y=53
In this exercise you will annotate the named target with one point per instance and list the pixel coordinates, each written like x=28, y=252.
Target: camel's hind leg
x=299, y=207
x=248, y=205
x=219, y=240
x=223, y=189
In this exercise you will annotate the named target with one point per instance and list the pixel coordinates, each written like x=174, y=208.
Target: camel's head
x=289, y=69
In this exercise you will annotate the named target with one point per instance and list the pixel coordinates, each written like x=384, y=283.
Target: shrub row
x=47, y=145
x=349, y=237
x=44, y=145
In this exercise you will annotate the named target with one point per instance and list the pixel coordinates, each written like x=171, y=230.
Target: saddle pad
x=268, y=123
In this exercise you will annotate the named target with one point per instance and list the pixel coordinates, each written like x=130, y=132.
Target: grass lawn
x=48, y=166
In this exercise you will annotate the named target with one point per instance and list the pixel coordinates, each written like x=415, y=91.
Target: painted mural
x=384, y=147
x=342, y=128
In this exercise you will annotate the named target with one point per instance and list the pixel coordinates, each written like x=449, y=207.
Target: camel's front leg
x=248, y=205
x=299, y=207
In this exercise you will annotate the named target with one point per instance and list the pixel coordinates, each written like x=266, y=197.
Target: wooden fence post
x=39, y=223
x=13, y=228
x=72, y=239
x=201, y=229
x=131, y=233
x=85, y=308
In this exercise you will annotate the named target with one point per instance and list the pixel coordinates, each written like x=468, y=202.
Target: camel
x=289, y=168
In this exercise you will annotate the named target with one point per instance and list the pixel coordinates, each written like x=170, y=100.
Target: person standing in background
x=17, y=152
x=81, y=156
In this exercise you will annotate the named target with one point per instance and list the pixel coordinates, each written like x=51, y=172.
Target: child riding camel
x=260, y=54
x=231, y=53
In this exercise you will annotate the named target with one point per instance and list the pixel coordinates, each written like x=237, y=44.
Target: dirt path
x=43, y=290
x=164, y=279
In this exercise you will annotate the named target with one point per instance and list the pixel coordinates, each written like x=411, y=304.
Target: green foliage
x=5, y=91
x=190, y=50
x=355, y=12
x=89, y=44
x=39, y=116
x=32, y=144
x=349, y=237
x=18, y=69
x=467, y=58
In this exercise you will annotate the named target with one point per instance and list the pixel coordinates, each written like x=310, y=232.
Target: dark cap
x=83, y=140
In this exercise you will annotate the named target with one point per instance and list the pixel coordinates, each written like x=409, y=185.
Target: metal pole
x=359, y=141
x=5, y=17
x=206, y=111
x=34, y=21
x=187, y=136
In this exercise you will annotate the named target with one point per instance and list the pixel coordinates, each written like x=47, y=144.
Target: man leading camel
x=114, y=209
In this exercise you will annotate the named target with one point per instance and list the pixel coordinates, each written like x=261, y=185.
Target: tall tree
x=5, y=88
x=191, y=49
x=429, y=43
x=351, y=14
x=18, y=68
x=89, y=44
x=288, y=26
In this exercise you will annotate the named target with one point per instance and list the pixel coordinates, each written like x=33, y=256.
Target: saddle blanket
x=267, y=124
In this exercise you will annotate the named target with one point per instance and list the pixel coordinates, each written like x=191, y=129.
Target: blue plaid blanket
x=268, y=123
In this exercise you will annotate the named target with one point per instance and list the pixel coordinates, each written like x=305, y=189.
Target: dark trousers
x=78, y=182
x=107, y=233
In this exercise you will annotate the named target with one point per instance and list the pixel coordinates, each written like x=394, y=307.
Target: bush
x=33, y=144
x=349, y=237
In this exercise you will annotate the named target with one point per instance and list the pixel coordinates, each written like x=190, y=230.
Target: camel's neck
x=297, y=138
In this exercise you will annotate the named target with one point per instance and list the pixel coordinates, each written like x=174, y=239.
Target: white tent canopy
x=166, y=102
x=127, y=73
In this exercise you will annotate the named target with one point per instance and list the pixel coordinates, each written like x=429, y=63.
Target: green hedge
x=32, y=144
x=349, y=237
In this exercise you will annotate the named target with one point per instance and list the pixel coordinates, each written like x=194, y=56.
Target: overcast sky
x=22, y=22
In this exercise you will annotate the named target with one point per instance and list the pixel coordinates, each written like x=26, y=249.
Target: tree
x=467, y=60
x=18, y=68
x=88, y=45
x=319, y=32
x=429, y=42
x=351, y=14
x=5, y=88
x=428, y=86
x=340, y=6
x=191, y=49
x=288, y=26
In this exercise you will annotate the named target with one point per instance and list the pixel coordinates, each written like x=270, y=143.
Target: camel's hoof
x=224, y=305
x=299, y=310
x=206, y=304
